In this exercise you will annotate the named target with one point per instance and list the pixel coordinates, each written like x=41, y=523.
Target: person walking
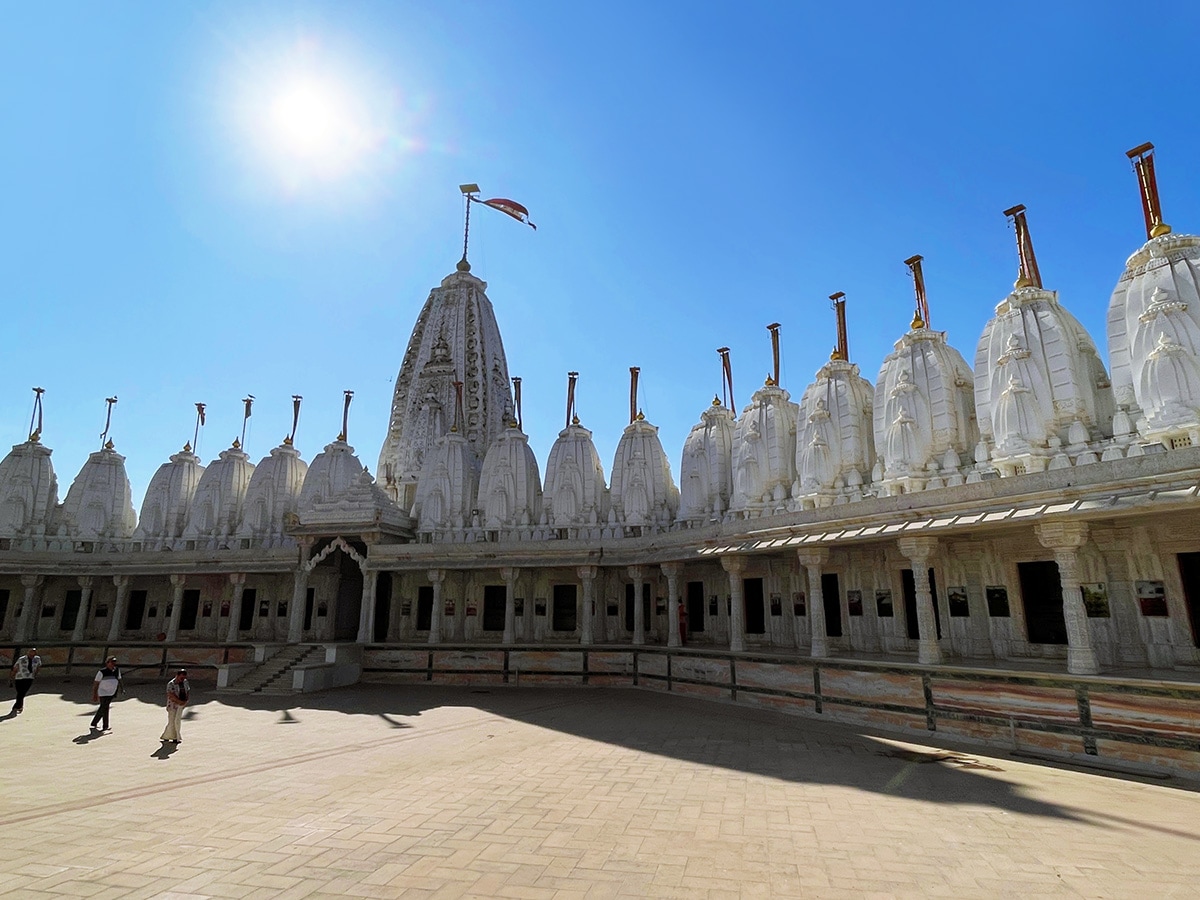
x=178, y=692
x=104, y=690
x=24, y=670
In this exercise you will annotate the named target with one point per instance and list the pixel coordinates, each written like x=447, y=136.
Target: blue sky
x=696, y=172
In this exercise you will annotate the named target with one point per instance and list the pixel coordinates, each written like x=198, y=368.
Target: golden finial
x=187, y=447
x=237, y=445
x=108, y=445
x=574, y=420
x=835, y=353
x=640, y=417
x=770, y=382
x=716, y=400
x=342, y=436
x=287, y=440
x=917, y=321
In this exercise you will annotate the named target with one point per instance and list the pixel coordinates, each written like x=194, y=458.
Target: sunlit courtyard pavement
x=380, y=791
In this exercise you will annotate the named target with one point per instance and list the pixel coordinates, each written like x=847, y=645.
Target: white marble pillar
x=86, y=583
x=121, y=583
x=735, y=566
x=587, y=576
x=672, y=571
x=509, y=574
x=237, y=583
x=366, y=612
x=30, y=584
x=299, y=595
x=918, y=552
x=813, y=560
x=638, y=574
x=177, y=584
x=1065, y=539
x=436, y=577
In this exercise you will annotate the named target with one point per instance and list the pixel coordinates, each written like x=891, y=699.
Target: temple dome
x=169, y=498
x=28, y=491
x=99, y=503
x=455, y=339
x=273, y=495
x=448, y=485
x=835, y=447
x=574, y=493
x=764, y=451
x=1156, y=304
x=331, y=473
x=510, y=485
x=924, y=413
x=216, y=510
x=1035, y=348
x=642, y=491
x=706, y=472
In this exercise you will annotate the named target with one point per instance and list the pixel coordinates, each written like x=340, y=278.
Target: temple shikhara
x=1026, y=506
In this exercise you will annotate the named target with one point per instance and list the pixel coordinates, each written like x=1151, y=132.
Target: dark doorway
x=246, y=613
x=630, y=590
x=495, y=597
x=831, y=597
x=752, y=594
x=695, y=607
x=1041, y=594
x=1189, y=570
x=191, y=608
x=310, y=601
x=136, y=610
x=383, y=606
x=70, y=610
x=910, y=604
x=349, y=599
x=3, y=606
x=425, y=608
x=564, y=617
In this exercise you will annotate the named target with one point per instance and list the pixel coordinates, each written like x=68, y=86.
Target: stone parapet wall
x=1150, y=724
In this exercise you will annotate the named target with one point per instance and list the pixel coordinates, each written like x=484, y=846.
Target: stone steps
x=274, y=675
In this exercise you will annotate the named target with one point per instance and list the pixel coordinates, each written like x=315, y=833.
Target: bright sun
x=315, y=126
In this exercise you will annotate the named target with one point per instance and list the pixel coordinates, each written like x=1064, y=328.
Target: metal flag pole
x=468, y=191
x=109, y=402
x=35, y=433
x=249, y=401
x=200, y=407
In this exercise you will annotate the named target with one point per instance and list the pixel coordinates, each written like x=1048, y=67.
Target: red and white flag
x=510, y=208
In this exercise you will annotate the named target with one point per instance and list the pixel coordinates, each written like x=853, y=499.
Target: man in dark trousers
x=104, y=690
x=24, y=670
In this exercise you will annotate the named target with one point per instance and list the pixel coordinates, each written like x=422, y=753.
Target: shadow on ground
x=704, y=733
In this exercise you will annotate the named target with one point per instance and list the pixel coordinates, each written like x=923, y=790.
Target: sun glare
x=311, y=120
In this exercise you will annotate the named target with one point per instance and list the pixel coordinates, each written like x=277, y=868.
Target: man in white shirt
x=104, y=690
x=178, y=692
x=24, y=670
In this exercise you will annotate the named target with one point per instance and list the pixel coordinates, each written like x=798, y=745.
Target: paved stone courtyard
x=378, y=791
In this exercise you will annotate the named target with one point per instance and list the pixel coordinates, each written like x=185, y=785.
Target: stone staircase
x=274, y=676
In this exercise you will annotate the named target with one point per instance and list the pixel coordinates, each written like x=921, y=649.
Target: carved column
x=436, y=577
x=672, y=571
x=30, y=583
x=121, y=582
x=587, y=577
x=177, y=583
x=813, y=560
x=366, y=612
x=735, y=566
x=299, y=595
x=638, y=574
x=237, y=583
x=918, y=551
x=85, y=603
x=509, y=574
x=1065, y=539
